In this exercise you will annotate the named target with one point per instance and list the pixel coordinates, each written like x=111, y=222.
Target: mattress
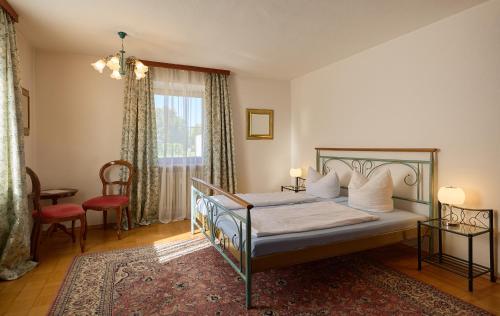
x=387, y=223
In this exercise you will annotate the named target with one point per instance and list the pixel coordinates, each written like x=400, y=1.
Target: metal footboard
x=235, y=249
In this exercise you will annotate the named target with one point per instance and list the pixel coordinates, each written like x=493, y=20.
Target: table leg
x=63, y=229
x=419, y=247
x=493, y=278
x=470, y=276
x=51, y=230
x=440, y=245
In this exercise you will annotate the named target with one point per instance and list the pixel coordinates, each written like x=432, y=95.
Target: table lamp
x=296, y=173
x=452, y=196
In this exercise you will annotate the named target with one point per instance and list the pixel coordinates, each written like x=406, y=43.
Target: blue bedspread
x=388, y=222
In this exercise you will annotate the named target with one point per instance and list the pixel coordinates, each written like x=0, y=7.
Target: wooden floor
x=33, y=294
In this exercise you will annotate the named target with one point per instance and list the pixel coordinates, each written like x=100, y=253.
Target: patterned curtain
x=15, y=217
x=218, y=144
x=139, y=146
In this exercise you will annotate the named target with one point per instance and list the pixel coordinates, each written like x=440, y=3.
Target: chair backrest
x=124, y=184
x=35, y=189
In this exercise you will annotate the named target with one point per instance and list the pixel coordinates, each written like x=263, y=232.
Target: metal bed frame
x=236, y=249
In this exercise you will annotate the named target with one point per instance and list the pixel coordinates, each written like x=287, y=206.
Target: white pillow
x=327, y=186
x=374, y=194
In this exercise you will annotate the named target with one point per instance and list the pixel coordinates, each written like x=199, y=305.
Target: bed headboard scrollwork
x=416, y=176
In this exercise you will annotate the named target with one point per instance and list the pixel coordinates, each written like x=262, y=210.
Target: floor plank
x=34, y=293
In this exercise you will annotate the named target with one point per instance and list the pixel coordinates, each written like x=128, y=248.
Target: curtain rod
x=150, y=63
x=10, y=10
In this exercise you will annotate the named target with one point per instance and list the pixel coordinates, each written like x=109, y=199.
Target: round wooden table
x=56, y=194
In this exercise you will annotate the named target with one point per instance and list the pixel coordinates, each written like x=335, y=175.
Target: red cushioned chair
x=52, y=214
x=107, y=201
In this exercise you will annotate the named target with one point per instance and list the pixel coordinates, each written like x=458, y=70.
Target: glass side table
x=293, y=188
x=298, y=187
x=464, y=222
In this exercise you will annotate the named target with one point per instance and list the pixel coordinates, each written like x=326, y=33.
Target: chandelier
x=116, y=63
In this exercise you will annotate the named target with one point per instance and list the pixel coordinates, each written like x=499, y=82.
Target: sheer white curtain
x=179, y=103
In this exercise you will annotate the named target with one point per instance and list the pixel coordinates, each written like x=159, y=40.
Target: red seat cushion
x=60, y=211
x=106, y=201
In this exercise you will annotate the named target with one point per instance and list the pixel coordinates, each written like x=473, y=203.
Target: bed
x=227, y=222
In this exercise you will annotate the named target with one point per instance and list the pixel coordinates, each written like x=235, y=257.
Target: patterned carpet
x=191, y=278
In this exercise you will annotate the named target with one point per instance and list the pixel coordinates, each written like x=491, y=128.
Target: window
x=179, y=127
x=178, y=98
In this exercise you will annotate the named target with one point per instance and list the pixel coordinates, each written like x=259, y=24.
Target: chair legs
x=37, y=238
x=118, y=222
x=104, y=219
x=33, y=237
x=119, y=212
x=129, y=219
x=73, y=230
x=83, y=231
x=86, y=227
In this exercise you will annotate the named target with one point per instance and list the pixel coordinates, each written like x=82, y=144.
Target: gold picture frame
x=260, y=124
x=25, y=109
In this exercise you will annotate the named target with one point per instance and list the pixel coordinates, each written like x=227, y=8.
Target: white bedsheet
x=267, y=221
x=266, y=199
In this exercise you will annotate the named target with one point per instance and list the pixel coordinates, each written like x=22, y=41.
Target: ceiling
x=279, y=39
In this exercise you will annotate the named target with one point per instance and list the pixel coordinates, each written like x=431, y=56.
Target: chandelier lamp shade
x=118, y=65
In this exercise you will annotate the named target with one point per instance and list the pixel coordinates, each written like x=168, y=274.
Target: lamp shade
x=295, y=173
x=139, y=75
x=140, y=67
x=113, y=63
x=116, y=75
x=451, y=195
x=99, y=65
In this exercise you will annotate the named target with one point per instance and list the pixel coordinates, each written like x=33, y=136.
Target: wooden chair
x=52, y=214
x=108, y=201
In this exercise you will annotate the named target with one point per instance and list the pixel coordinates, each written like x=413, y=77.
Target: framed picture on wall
x=25, y=109
x=260, y=124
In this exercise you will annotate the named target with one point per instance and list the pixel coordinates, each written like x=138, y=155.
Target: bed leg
x=193, y=210
x=192, y=225
x=248, y=261
x=248, y=292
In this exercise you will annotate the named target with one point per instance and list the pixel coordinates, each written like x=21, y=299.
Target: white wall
x=79, y=122
x=436, y=87
x=27, y=76
x=79, y=118
x=262, y=165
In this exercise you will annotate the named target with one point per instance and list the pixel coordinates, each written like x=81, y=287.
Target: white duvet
x=303, y=217
x=266, y=199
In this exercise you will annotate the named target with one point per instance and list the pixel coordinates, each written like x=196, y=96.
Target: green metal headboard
x=421, y=172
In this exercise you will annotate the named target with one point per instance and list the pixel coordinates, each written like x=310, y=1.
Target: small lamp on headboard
x=451, y=196
x=296, y=173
